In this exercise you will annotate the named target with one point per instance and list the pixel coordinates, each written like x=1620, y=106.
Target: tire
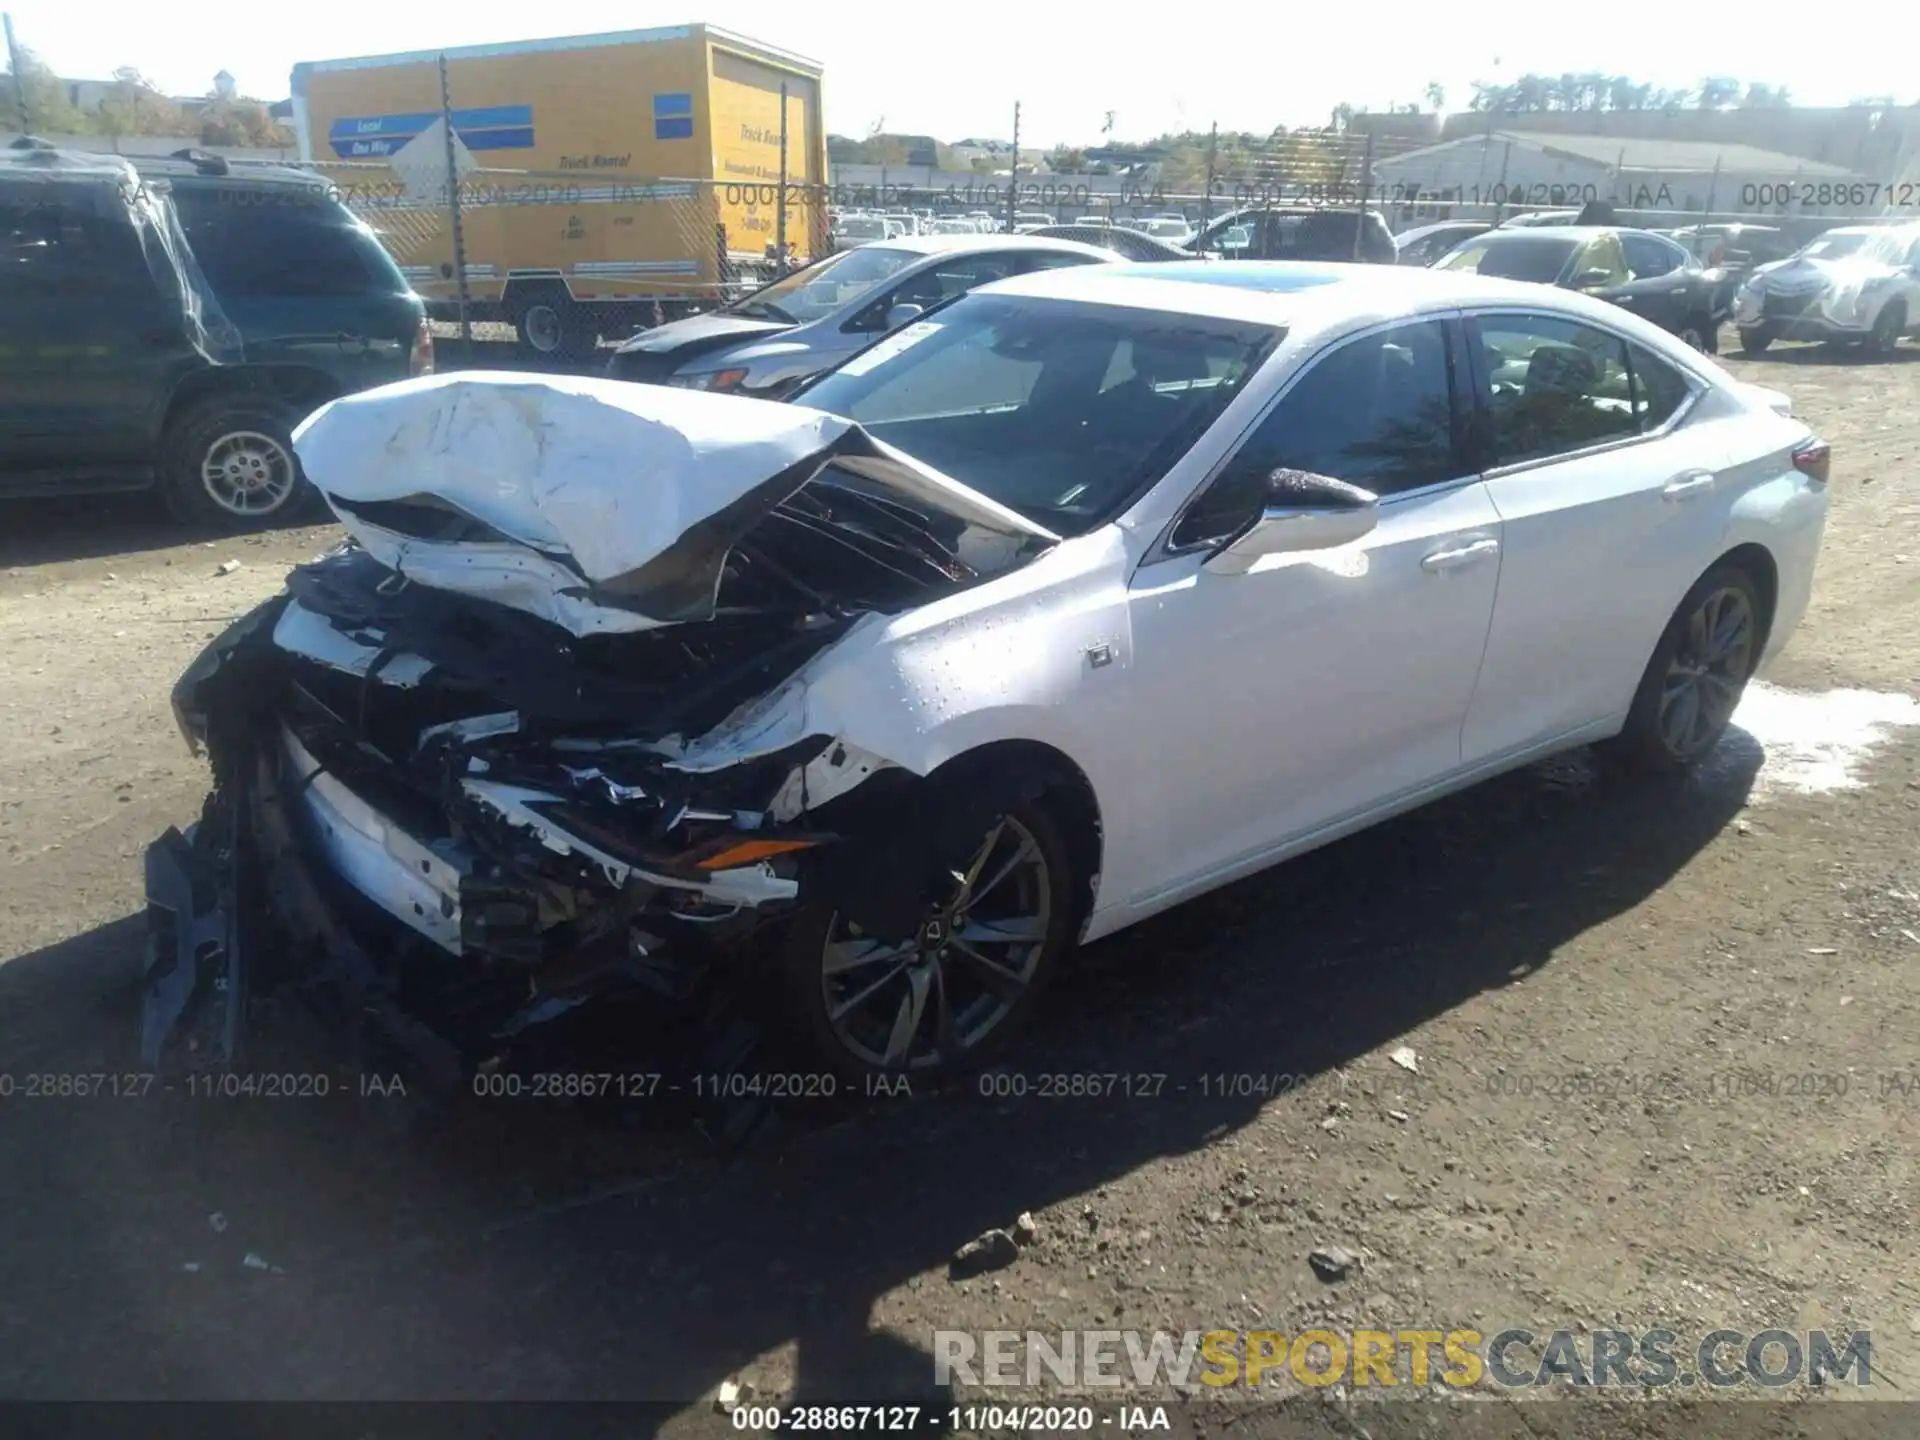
x=861, y=1043
x=227, y=463
x=550, y=328
x=1693, y=334
x=1755, y=341
x=1661, y=733
x=1888, y=326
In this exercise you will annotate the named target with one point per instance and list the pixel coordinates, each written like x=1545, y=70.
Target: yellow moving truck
x=605, y=181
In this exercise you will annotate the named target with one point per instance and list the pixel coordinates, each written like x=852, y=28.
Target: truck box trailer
x=604, y=181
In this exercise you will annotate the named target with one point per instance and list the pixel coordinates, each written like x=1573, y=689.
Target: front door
x=1271, y=705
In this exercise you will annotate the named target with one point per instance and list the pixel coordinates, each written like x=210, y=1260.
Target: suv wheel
x=228, y=462
x=1887, y=327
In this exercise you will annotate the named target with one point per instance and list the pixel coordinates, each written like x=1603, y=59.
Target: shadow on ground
x=517, y=1253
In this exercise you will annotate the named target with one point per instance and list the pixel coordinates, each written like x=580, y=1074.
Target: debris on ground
x=733, y=1391
x=1406, y=1059
x=217, y=1222
x=227, y=567
x=1025, y=1230
x=1331, y=1262
x=990, y=1251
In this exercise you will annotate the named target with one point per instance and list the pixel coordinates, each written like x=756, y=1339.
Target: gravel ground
x=1664, y=1040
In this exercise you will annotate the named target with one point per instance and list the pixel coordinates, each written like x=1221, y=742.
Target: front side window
x=1647, y=257
x=824, y=286
x=1554, y=386
x=1376, y=412
x=1062, y=410
x=1539, y=258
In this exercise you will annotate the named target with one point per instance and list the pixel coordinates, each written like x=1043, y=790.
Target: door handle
x=1688, y=485
x=1459, y=557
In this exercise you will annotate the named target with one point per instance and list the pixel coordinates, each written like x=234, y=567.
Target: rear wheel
x=1698, y=672
x=943, y=998
x=227, y=463
x=1888, y=326
x=551, y=327
x=1756, y=340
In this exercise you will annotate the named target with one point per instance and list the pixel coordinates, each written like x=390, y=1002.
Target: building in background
x=1524, y=169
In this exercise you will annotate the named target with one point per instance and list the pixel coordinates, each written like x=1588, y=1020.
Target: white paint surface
x=1817, y=744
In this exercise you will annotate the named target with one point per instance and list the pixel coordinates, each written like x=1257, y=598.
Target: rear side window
x=253, y=251
x=1659, y=390
x=1555, y=386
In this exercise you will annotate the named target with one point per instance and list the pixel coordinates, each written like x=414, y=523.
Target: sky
x=956, y=70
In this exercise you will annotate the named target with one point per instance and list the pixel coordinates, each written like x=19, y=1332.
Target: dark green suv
x=169, y=326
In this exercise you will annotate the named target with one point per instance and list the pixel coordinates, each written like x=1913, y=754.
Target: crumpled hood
x=699, y=332
x=596, y=504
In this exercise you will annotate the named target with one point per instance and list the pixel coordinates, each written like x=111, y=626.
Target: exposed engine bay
x=496, y=755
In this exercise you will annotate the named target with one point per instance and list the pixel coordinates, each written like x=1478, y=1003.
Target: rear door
x=90, y=345
x=1662, y=284
x=1610, y=509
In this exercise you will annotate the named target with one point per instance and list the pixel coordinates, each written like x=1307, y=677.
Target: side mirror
x=904, y=312
x=1592, y=279
x=1303, y=512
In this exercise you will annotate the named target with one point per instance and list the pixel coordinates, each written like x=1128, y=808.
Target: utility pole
x=1366, y=194
x=1013, y=172
x=453, y=211
x=780, y=216
x=19, y=77
x=1206, y=194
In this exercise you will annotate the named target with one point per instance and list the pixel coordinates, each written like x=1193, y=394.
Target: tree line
x=37, y=100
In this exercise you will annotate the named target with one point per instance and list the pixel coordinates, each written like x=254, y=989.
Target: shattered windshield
x=823, y=287
x=1060, y=410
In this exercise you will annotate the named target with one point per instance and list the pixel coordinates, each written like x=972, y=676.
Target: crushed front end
x=464, y=818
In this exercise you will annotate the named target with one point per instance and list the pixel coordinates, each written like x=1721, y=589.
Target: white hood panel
x=599, y=478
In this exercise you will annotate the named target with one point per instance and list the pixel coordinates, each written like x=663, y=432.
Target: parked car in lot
x=1425, y=244
x=1300, y=233
x=852, y=230
x=1856, y=285
x=618, y=683
x=1122, y=240
x=1534, y=219
x=1634, y=269
x=168, y=327
x=1171, y=229
x=811, y=320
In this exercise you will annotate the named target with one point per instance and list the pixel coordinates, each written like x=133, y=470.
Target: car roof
x=1420, y=232
x=218, y=174
x=948, y=244
x=1285, y=292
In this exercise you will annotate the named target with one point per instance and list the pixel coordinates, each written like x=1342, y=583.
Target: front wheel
x=1755, y=341
x=1697, y=675
x=938, y=1001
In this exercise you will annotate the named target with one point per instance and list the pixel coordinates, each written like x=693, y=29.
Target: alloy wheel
x=1707, y=672
x=929, y=1001
x=248, y=473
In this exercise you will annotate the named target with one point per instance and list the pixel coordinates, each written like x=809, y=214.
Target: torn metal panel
x=415, y=883
x=301, y=632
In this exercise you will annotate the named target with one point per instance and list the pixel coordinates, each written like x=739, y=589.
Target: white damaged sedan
x=1088, y=593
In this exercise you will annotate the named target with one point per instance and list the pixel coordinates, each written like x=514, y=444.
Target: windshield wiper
x=765, y=310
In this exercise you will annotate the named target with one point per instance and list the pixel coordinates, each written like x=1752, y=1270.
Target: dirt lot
x=1694, y=950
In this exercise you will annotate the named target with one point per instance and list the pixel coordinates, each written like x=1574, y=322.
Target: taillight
x=1814, y=459
x=420, y=361
x=1719, y=256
